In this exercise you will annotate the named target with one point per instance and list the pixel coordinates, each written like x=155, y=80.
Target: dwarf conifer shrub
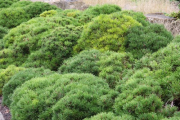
x=110, y=116
x=84, y=62
x=139, y=16
x=7, y=3
x=141, y=40
x=113, y=66
x=19, y=78
x=20, y=4
x=55, y=48
x=106, y=32
x=70, y=97
x=14, y=16
x=6, y=75
x=141, y=97
x=3, y=32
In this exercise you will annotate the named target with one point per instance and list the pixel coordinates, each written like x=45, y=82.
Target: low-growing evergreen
x=19, y=78
x=141, y=40
x=66, y=97
x=6, y=75
x=106, y=32
x=7, y=3
x=84, y=62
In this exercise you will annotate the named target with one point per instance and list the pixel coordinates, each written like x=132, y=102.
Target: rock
x=70, y=4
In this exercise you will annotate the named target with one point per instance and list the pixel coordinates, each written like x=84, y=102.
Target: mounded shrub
x=139, y=16
x=27, y=38
x=7, y=3
x=20, y=4
x=141, y=97
x=110, y=116
x=19, y=78
x=113, y=66
x=106, y=32
x=141, y=40
x=14, y=16
x=84, y=62
x=55, y=48
x=3, y=32
x=70, y=97
x=6, y=75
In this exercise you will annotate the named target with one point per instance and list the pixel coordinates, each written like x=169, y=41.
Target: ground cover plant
x=7, y=3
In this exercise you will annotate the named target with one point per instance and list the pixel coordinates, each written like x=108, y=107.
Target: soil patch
x=5, y=111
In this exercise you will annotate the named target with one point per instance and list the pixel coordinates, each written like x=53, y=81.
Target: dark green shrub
x=55, y=48
x=142, y=40
x=106, y=32
x=84, y=62
x=3, y=32
x=110, y=116
x=6, y=75
x=20, y=4
x=66, y=97
x=14, y=16
x=139, y=16
x=19, y=78
x=97, y=10
x=113, y=66
x=7, y=3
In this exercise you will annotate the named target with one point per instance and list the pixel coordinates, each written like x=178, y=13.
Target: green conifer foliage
x=141, y=40
x=3, y=32
x=110, y=116
x=139, y=16
x=113, y=66
x=20, y=4
x=55, y=48
x=84, y=62
x=48, y=13
x=6, y=75
x=66, y=97
x=15, y=15
x=7, y=3
x=19, y=78
x=106, y=32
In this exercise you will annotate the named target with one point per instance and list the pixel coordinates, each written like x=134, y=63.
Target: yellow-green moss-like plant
x=106, y=32
x=48, y=13
x=6, y=75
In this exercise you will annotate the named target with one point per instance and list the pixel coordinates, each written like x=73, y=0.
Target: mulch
x=5, y=110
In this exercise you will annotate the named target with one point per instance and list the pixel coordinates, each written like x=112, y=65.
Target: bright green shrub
x=113, y=66
x=6, y=75
x=106, y=32
x=66, y=97
x=84, y=62
x=28, y=37
x=139, y=16
x=55, y=48
x=141, y=97
x=10, y=56
x=19, y=78
x=142, y=40
x=165, y=65
x=110, y=116
x=14, y=16
x=7, y=3
x=48, y=13
x=175, y=15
